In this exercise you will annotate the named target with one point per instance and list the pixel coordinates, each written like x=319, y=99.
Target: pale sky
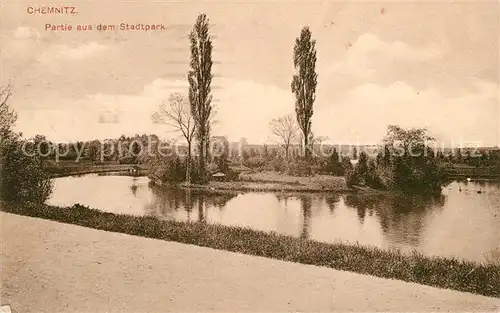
x=433, y=65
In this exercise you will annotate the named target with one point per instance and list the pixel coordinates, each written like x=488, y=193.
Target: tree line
x=122, y=150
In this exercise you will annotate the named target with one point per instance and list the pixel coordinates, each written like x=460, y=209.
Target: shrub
x=169, y=169
x=232, y=175
x=332, y=165
x=278, y=164
x=22, y=179
x=212, y=167
x=350, y=178
x=255, y=162
x=299, y=168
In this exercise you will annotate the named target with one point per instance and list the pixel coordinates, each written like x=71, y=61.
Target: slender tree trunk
x=208, y=155
x=306, y=147
x=188, y=165
x=202, y=157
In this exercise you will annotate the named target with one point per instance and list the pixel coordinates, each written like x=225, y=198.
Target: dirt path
x=53, y=267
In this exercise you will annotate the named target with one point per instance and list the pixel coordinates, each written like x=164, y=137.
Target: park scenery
x=411, y=206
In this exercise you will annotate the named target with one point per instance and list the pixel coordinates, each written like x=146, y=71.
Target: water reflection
x=332, y=201
x=166, y=201
x=134, y=187
x=201, y=212
x=400, y=216
x=362, y=204
x=189, y=205
x=461, y=222
x=305, y=205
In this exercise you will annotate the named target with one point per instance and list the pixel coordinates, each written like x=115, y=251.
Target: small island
x=274, y=169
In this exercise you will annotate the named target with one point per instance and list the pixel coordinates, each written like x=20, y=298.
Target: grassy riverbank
x=277, y=187
x=260, y=187
x=438, y=272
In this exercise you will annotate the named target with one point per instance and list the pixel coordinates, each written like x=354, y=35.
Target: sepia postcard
x=249, y=156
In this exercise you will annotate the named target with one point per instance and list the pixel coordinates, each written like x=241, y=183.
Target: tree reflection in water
x=363, y=204
x=201, y=211
x=401, y=216
x=134, y=186
x=305, y=204
x=331, y=201
x=282, y=197
x=189, y=204
x=134, y=189
x=166, y=201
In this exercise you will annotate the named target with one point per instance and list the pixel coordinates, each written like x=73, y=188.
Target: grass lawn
x=272, y=181
x=316, y=181
x=454, y=274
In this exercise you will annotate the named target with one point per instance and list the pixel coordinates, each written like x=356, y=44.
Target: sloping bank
x=483, y=279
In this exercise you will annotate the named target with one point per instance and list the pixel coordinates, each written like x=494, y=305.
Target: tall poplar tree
x=304, y=83
x=200, y=78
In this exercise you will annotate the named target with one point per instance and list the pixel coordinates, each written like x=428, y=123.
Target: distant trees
x=487, y=159
x=304, y=83
x=285, y=129
x=125, y=150
x=200, y=78
x=313, y=140
x=177, y=114
x=459, y=156
x=40, y=142
x=94, y=150
x=354, y=153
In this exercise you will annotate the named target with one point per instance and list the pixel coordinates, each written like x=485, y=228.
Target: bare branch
x=176, y=113
x=285, y=129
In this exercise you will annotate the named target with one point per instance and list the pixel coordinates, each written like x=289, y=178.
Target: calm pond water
x=461, y=222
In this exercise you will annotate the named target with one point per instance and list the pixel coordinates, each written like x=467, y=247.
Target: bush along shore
x=483, y=279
